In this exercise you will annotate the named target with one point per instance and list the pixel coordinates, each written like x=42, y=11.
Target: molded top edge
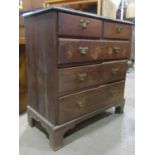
x=72, y=11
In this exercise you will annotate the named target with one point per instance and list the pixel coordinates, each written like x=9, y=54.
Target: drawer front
x=116, y=31
x=81, y=50
x=117, y=50
x=72, y=26
x=76, y=78
x=75, y=105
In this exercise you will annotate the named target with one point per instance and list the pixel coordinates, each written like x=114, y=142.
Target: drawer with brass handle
x=82, y=77
x=117, y=31
x=74, y=105
x=77, y=26
x=83, y=50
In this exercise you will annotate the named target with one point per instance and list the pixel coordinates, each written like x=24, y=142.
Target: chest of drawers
x=76, y=67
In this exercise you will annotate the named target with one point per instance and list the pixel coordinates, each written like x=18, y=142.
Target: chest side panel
x=41, y=41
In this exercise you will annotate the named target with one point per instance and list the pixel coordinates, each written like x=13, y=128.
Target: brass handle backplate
x=116, y=50
x=83, y=50
x=115, y=71
x=80, y=104
x=81, y=76
x=84, y=23
x=119, y=29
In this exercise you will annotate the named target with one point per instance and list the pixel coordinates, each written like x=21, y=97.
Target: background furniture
x=93, y=6
x=130, y=15
x=22, y=67
x=76, y=65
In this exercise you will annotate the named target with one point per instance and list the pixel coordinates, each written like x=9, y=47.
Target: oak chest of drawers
x=76, y=67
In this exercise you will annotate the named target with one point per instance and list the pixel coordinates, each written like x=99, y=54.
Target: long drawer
x=82, y=50
x=76, y=78
x=75, y=105
x=78, y=26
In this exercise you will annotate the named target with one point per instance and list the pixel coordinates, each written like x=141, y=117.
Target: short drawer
x=116, y=31
x=76, y=78
x=78, y=104
x=82, y=50
x=79, y=26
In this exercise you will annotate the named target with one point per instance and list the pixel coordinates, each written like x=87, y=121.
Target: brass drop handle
x=119, y=29
x=113, y=93
x=115, y=71
x=81, y=76
x=83, y=50
x=80, y=104
x=116, y=50
x=101, y=46
x=84, y=23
